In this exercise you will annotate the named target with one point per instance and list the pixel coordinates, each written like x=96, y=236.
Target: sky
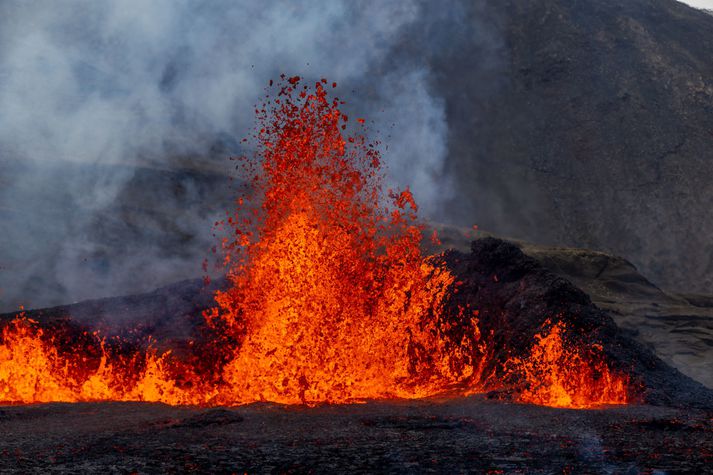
x=708, y=4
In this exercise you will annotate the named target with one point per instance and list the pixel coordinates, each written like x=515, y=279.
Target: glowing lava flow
x=329, y=299
x=34, y=369
x=559, y=375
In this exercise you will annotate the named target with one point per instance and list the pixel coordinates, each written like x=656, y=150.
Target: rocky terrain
x=678, y=326
x=586, y=124
x=455, y=436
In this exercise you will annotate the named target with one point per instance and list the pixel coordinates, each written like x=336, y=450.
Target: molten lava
x=573, y=376
x=33, y=369
x=329, y=299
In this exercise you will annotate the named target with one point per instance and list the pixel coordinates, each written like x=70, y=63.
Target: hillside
x=589, y=125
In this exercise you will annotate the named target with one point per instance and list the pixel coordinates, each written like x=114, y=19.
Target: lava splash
x=330, y=298
x=573, y=376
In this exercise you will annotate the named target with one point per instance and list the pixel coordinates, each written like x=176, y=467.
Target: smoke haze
x=104, y=105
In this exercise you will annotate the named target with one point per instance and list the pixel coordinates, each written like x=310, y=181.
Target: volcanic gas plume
x=330, y=298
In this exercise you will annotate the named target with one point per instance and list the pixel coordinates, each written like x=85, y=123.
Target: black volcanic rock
x=516, y=295
x=470, y=435
x=677, y=327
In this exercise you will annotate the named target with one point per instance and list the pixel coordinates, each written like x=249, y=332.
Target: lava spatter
x=559, y=374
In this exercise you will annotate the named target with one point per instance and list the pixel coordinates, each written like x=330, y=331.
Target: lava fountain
x=329, y=297
x=573, y=376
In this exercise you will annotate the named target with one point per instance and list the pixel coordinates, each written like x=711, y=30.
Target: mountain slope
x=594, y=129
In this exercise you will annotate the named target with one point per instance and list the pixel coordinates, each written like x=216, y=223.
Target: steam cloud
x=96, y=98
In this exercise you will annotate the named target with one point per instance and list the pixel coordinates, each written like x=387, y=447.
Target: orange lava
x=330, y=298
x=560, y=375
x=32, y=369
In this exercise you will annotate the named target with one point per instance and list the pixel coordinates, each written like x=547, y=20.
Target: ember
x=330, y=298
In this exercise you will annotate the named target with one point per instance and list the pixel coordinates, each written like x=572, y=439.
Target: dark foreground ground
x=464, y=435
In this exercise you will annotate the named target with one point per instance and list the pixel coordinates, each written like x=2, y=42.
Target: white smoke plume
x=99, y=98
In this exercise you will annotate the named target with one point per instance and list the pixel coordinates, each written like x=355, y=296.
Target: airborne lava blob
x=330, y=298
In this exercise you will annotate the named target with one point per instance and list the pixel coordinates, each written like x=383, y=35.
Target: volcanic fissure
x=329, y=299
